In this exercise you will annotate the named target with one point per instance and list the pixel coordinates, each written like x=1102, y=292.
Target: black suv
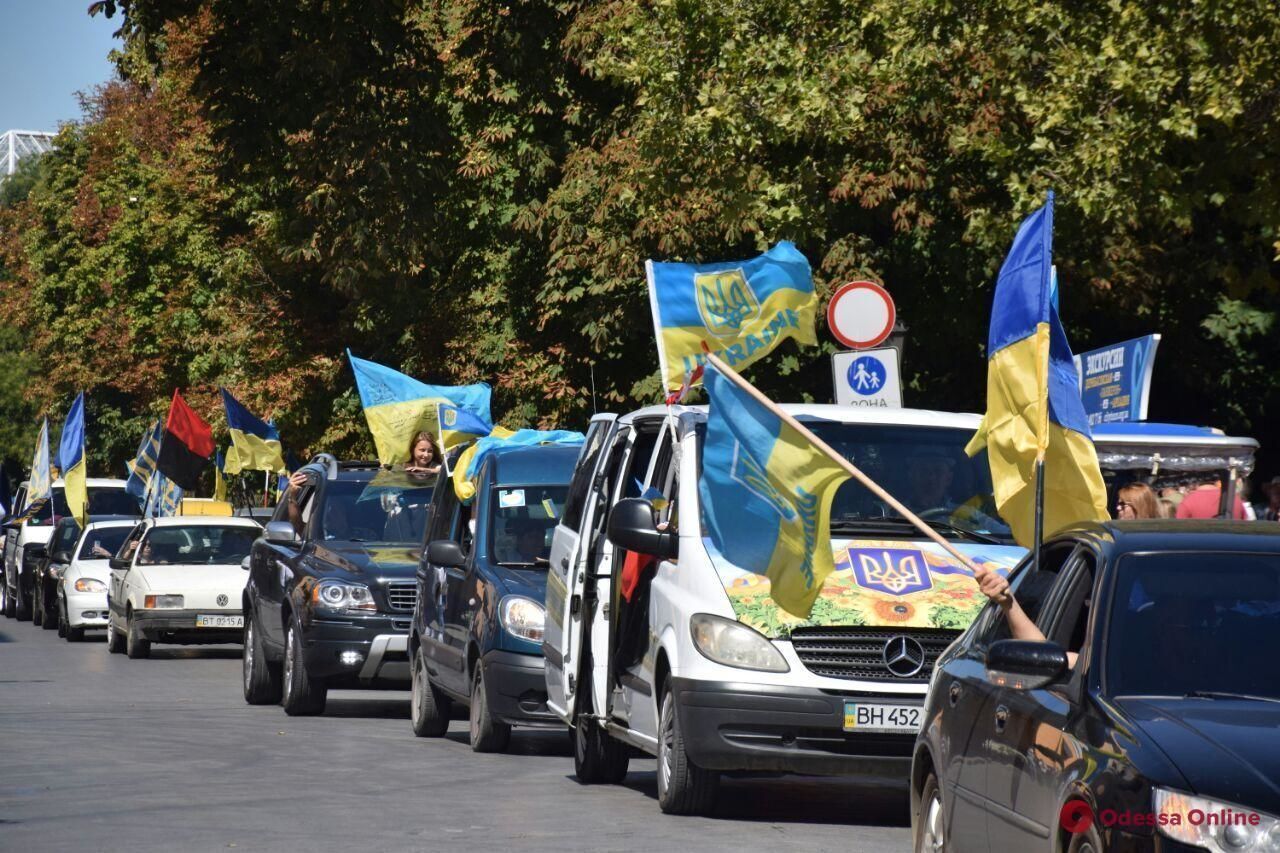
x=331, y=587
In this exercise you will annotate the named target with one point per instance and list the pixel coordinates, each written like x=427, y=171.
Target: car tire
x=48, y=613
x=429, y=709
x=930, y=826
x=261, y=677
x=302, y=695
x=37, y=604
x=74, y=635
x=22, y=606
x=684, y=788
x=1085, y=842
x=598, y=759
x=9, y=610
x=115, y=641
x=62, y=620
x=487, y=734
x=136, y=645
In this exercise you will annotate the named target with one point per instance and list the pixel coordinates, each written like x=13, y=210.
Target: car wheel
x=683, y=787
x=598, y=759
x=136, y=645
x=48, y=613
x=115, y=642
x=8, y=600
x=22, y=605
x=303, y=696
x=261, y=677
x=62, y=619
x=487, y=734
x=931, y=829
x=1085, y=842
x=37, y=604
x=428, y=707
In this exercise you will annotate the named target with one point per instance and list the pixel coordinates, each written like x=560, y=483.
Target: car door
x=272, y=569
x=117, y=595
x=564, y=576
x=1026, y=776
x=450, y=649
x=968, y=737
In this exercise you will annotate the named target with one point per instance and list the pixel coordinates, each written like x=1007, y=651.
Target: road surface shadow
x=524, y=742
x=368, y=706
x=797, y=799
x=194, y=653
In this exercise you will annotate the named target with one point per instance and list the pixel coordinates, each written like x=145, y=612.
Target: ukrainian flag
x=398, y=407
x=467, y=467
x=766, y=495
x=1033, y=396
x=458, y=426
x=144, y=464
x=255, y=445
x=739, y=310
x=40, y=483
x=219, y=482
x=71, y=455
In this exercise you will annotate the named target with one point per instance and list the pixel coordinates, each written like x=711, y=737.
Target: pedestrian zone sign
x=868, y=378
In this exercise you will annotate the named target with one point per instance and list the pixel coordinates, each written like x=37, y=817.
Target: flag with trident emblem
x=739, y=310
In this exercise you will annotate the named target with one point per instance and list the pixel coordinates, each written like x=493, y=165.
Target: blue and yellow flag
x=740, y=310
x=71, y=456
x=398, y=407
x=219, y=482
x=255, y=444
x=458, y=426
x=766, y=495
x=1033, y=396
x=166, y=497
x=467, y=466
x=141, y=468
x=40, y=483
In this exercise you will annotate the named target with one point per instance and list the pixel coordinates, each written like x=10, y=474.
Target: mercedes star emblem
x=222, y=601
x=903, y=656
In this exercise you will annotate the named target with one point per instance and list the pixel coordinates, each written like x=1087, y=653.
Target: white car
x=82, y=590
x=179, y=580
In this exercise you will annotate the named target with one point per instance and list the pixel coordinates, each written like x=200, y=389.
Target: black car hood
x=531, y=583
x=1226, y=749
x=368, y=559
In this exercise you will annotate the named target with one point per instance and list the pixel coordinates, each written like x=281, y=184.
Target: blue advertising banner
x=1115, y=381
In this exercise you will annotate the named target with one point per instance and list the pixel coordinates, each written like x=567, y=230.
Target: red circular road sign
x=861, y=314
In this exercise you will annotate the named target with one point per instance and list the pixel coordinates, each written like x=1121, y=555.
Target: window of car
x=522, y=519
x=1030, y=586
x=196, y=545
x=102, y=543
x=583, y=474
x=388, y=511
x=64, y=537
x=1065, y=617
x=1185, y=623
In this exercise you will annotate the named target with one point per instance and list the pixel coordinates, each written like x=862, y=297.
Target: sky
x=49, y=50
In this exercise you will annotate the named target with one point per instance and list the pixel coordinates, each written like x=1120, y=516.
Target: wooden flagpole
x=853, y=470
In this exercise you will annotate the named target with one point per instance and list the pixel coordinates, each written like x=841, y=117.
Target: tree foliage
x=469, y=190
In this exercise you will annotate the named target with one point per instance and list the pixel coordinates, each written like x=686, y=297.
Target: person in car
x=1136, y=500
x=526, y=541
x=996, y=587
x=424, y=454
x=929, y=476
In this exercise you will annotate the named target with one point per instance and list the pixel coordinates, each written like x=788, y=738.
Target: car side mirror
x=447, y=553
x=246, y=563
x=280, y=533
x=632, y=526
x=61, y=557
x=36, y=551
x=120, y=563
x=1025, y=664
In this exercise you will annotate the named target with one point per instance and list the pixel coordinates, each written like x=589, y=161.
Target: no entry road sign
x=861, y=314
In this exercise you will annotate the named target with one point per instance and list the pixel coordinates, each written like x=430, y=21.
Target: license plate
x=881, y=717
x=216, y=621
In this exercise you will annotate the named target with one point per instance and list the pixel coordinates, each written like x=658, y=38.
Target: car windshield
x=1188, y=623
x=390, y=512
x=110, y=501
x=204, y=544
x=102, y=543
x=521, y=521
x=924, y=467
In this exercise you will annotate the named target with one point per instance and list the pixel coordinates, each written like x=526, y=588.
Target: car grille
x=401, y=595
x=859, y=652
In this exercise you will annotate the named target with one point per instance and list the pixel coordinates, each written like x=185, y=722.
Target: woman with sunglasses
x=1136, y=500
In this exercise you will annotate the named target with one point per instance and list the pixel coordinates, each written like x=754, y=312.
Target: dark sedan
x=1164, y=735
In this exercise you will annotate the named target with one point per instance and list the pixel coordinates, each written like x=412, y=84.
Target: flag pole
x=853, y=470
x=1039, y=526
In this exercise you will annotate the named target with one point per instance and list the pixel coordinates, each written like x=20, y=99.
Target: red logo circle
x=1076, y=816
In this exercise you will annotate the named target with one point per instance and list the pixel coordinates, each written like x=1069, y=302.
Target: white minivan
x=690, y=660
x=106, y=497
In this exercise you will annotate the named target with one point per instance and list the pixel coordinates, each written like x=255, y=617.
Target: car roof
x=96, y=522
x=1167, y=534
x=90, y=482
x=204, y=521
x=547, y=463
x=829, y=412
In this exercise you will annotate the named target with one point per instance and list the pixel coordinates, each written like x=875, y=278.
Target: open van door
x=566, y=577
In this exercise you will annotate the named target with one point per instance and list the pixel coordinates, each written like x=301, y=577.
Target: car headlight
x=734, y=644
x=1214, y=825
x=92, y=585
x=152, y=602
x=55, y=572
x=339, y=595
x=523, y=617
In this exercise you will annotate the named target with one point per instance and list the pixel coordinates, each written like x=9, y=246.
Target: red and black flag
x=186, y=445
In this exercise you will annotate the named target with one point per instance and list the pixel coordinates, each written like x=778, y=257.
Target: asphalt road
x=99, y=752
